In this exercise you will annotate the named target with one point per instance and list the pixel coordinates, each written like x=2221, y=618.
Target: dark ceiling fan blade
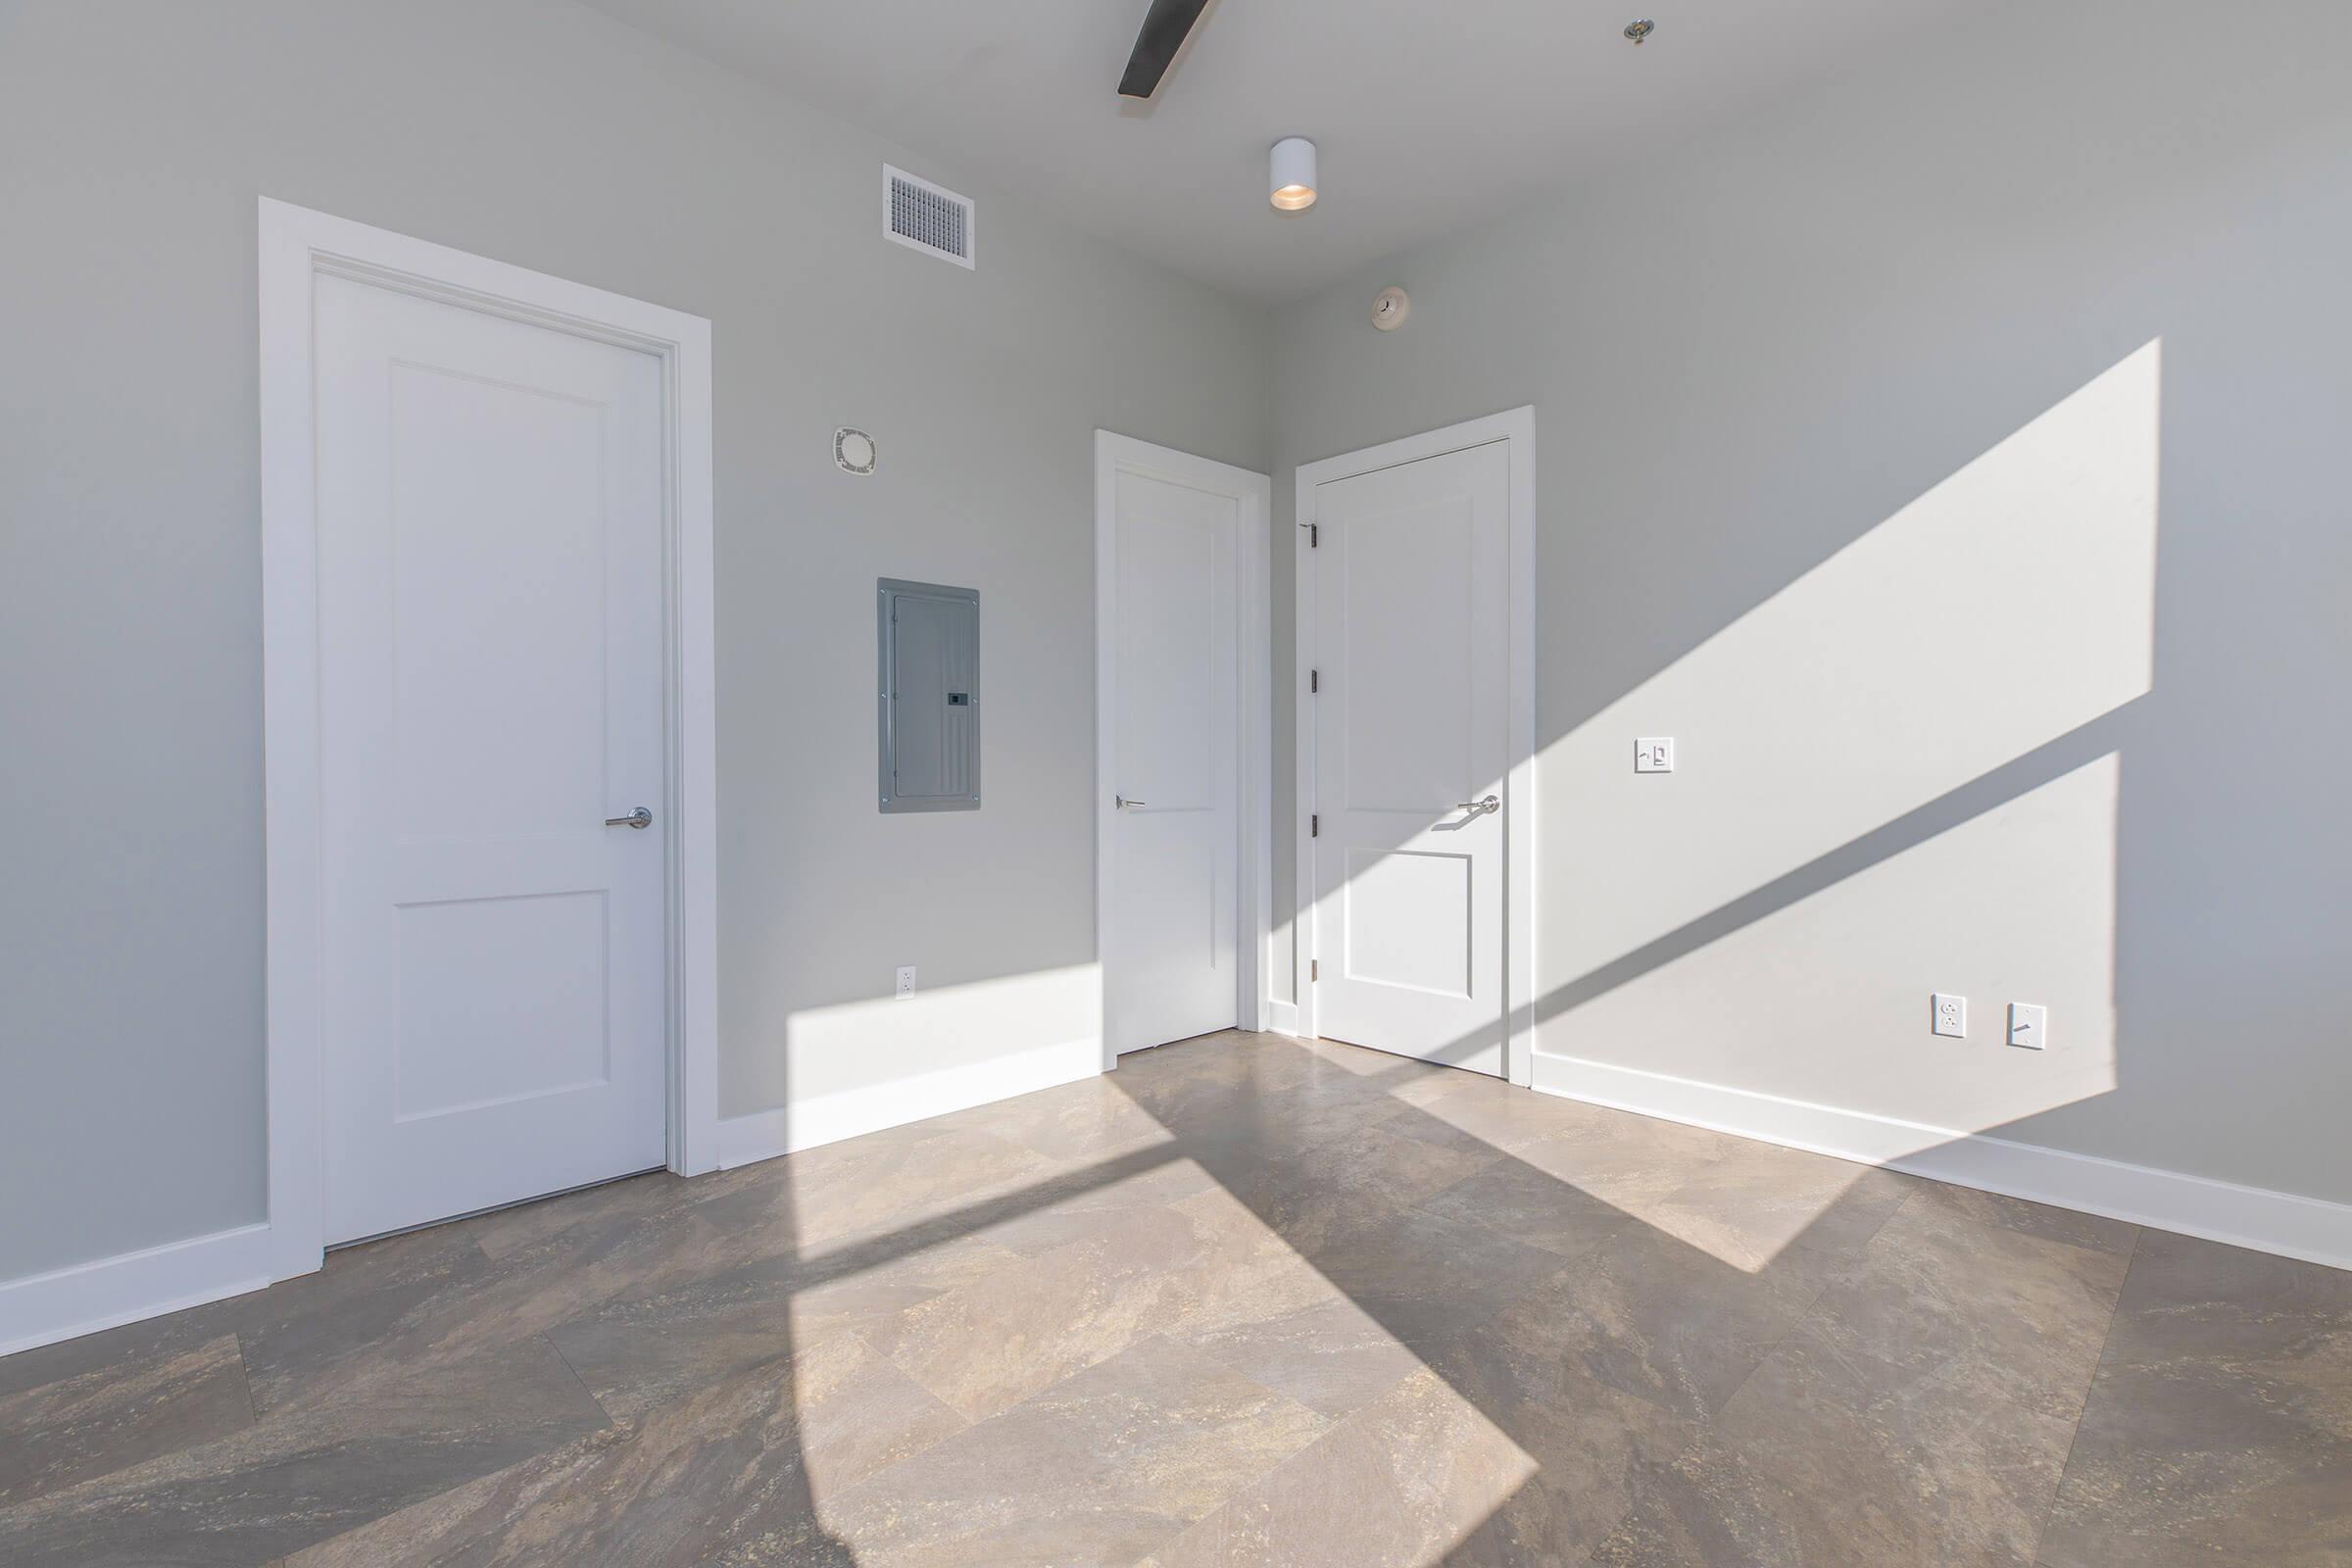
x=1162, y=34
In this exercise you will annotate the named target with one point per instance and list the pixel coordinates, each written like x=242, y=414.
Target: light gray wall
x=1955, y=461
x=134, y=139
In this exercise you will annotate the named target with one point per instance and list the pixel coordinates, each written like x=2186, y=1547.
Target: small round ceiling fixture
x=1389, y=308
x=854, y=450
x=1638, y=30
x=1292, y=187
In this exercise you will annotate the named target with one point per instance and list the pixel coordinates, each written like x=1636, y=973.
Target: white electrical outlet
x=1654, y=754
x=2028, y=1022
x=905, y=982
x=1951, y=1015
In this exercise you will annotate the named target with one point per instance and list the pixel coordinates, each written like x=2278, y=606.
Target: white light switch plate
x=2028, y=1022
x=1654, y=754
x=1951, y=1015
x=905, y=982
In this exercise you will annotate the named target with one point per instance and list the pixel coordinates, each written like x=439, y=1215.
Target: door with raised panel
x=490, y=625
x=1412, y=744
x=1173, y=840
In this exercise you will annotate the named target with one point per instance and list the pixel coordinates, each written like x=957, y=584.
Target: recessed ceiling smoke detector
x=1638, y=30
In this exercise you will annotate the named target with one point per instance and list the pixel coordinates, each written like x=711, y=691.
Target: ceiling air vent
x=918, y=214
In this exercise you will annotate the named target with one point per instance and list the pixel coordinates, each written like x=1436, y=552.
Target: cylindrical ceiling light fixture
x=1293, y=187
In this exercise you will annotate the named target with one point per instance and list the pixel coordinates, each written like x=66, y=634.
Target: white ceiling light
x=1293, y=187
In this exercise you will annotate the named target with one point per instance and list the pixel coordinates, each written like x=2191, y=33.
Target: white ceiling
x=1429, y=113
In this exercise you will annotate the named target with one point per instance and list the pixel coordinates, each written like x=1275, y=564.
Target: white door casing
x=487, y=628
x=1416, y=728
x=1183, y=878
x=490, y=690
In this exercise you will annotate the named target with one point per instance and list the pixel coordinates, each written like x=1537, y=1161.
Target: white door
x=1173, y=845
x=1413, y=743
x=490, y=631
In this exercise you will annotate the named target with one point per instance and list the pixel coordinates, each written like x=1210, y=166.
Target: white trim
x=1281, y=1017
x=297, y=246
x=1517, y=428
x=1254, y=896
x=852, y=1112
x=2291, y=1226
x=68, y=1302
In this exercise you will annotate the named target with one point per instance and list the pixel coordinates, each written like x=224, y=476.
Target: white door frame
x=1517, y=428
x=1255, y=887
x=298, y=246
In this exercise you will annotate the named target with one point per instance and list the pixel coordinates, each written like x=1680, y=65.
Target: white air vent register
x=925, y=217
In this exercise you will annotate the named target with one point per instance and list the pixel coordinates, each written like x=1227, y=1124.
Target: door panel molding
x=297, y=248
x=1115, y=455
x=1516, y=428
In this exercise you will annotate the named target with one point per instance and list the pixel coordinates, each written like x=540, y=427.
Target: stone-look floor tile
x=649, y=1197
x=1332, y=1357
x=904, y=1176
x=1823, y=1460
x=2218, y=1430
x=1762, y=1206
x=1514, y=1199
x=724, y=1475
x=1400, y=1482
x=1086, y=1120
x=1200, y=1264
x=1993, y=1313
x=305, y=1473
x=1308, y=1199
x=1658, y=1319
x=314, y=1327
x=1097, y=1469
x=111, y=1417
x=1594, y=1445
x=639, y=1353
x=1628, y=1162
x=1497, y=1113
x=1423, y=1277
x=2093, y=1232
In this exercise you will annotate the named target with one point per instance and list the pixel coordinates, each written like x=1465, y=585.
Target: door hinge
x=1314, y=537
x=1314, y=825
x=1314, y=680
x=1314, y=970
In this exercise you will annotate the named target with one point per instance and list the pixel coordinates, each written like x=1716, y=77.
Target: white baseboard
x=1281, y=1017
x=106, y=1293
x=829, y=1118
x=2291, y=1226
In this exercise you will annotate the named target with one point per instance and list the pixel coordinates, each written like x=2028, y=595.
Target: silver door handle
x=1124, y=800
x=640, y=817
x=1489, y=804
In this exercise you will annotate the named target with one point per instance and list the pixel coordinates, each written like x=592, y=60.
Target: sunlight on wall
x=965, y=1029
x=1893, y=778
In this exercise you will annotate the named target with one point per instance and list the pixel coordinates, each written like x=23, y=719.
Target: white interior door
x=1412, y=746
x=1173, y=845
x=490, y=631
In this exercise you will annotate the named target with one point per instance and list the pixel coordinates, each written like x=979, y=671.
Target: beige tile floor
x=1245, y=1302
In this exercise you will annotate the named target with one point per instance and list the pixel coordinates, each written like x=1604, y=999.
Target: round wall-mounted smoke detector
x=1389, y=308
x=853, y=451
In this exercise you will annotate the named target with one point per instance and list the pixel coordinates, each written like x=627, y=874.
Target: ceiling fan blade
x=1163, y=32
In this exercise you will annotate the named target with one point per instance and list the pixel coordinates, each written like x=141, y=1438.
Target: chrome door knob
x=640, y=817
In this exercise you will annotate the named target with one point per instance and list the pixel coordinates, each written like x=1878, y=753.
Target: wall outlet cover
x=1654, y=754
x=905, y=982
x=1950, y=1016
x=2029, y=1025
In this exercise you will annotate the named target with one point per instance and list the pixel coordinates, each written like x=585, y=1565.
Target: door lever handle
x=640, y=817
x=1489, y=804
x=1123, y=800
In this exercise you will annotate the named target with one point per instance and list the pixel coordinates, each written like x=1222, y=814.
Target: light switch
x=2029, y=1021
x=1654, y=754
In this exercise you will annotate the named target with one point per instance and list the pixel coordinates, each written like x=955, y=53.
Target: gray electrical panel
x=930, y=658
